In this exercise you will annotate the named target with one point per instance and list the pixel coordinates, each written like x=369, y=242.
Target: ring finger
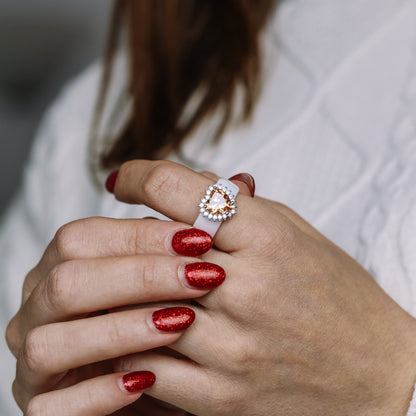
x=53, y=349
x=99, y=396
x=87, y=285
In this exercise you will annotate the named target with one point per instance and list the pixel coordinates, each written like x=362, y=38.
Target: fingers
x=51, y=350
x=103, y=237
x=185, y=384
x=99, y=396
x=107, y=237
x=175, y=191
x=83, y=286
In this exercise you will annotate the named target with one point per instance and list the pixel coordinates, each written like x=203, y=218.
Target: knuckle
x=160, y=180
x=283, y=209
x=29, y=283
x=279, y=241
x=228, y=400
x=115, y=332
x=58, y=287
x=147, y=274
x=70, y=238
x=17, y=394
x=34, y=352
x=66, y=240
x=12, y=337
x=241, y=355
x=250, y=301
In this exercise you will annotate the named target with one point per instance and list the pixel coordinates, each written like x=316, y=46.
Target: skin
x=298, y=327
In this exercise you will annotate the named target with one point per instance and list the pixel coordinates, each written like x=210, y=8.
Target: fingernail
x=247, y=179
x=174, y=319
x=138, y=380
x=204, y=275
x=111, y=181
x=192, y=242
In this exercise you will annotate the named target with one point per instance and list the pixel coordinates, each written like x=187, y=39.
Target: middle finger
x=83, y=286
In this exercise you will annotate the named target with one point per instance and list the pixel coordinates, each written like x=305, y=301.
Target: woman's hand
x=63, y=336
x=298, y=327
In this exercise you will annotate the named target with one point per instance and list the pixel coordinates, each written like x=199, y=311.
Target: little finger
x=187, y=385
x=99, y=396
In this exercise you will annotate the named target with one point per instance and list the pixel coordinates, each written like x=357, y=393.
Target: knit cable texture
x=412, y=407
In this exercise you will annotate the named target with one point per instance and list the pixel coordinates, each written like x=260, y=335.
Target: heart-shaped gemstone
x=217, y=202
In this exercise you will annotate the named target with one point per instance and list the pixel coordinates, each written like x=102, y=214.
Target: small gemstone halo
x=217, y=203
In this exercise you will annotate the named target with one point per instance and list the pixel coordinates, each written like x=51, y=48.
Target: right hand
x=64, y=337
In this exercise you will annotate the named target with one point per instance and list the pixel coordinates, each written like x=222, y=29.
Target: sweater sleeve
x=390, y=233
x=22, y=240
x=389, y=230
x=57, y=163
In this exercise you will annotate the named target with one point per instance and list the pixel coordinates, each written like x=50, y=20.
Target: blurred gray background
x=43, y=43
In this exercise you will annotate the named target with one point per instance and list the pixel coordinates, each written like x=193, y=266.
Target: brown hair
x=177, y=48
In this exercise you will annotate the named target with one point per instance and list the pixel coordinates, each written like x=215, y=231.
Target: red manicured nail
x=138, y=380
x=247, y=179
x=174, y=319
x=111, y=181
x=192, y=242
x=204, y=275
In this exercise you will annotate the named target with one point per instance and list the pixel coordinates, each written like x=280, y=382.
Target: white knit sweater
x=333, y=137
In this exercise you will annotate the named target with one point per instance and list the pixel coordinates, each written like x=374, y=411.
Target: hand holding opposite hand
x=65, y=338
x=297, y=328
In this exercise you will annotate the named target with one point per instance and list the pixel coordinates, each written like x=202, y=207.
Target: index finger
x=99, y=237
x=175, y=191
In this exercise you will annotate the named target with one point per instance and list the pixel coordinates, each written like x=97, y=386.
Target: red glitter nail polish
x=111, y=181
x=204, y=275
x=174, y=319
x=247, y=179
x=138, y=380
x=192, y=242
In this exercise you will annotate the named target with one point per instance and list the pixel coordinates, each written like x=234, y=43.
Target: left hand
x=297, y=328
